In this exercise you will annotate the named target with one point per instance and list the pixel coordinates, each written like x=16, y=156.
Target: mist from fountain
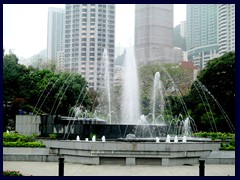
x=107, y=82
x=157, y=93
x=130, y=108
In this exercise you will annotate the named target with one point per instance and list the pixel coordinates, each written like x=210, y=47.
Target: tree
x=42, y=90
x=12, y=71
x=215, y=90
x=176, y=81
x=55, y=93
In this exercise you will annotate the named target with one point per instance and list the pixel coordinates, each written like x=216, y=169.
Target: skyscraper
x=154, y=33
x=183, y=28
x=179, y=41
x=55, y=32
x=89, y=29
x=226, y=28
x=202, y=33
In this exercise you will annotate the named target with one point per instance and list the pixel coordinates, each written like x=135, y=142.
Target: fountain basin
x=131, y=153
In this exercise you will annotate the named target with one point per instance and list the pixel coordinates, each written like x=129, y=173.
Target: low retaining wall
x=125, y=153
x=221, y=157
x=131, y=153
x=28, y=154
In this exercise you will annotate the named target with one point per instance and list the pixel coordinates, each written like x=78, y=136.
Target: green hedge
x=12, y=173
x=23, y=144
x=229, y=138
x=17, y=140
x=214, y=135
x=13, y=137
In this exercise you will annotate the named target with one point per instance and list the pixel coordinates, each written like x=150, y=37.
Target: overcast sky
x=25, y=26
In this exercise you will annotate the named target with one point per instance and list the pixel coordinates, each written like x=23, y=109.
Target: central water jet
x=130, y=110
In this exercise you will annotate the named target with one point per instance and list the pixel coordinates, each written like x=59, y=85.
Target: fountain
x=130, y=103
x=94, y=138
x=103, y=139
x=157, y=91
x=184, y=139
x=168, y=140
x=107, y=82
x=176, y=139
x=138, y=137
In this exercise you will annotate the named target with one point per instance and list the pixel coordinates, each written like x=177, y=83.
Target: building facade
x=226, y=28
x=55, y=32
x=89, y=29
x=183, y=29
x=154, y=33
x=179, y=41
x=202, y=33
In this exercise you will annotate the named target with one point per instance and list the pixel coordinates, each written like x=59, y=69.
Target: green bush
x=227, y=147
x=12, y=173
x=215, y=135
x=17, y=140
x=229, y=138
x=91, y=135
x=53, y=136
x=13, y=137
x=22, y=144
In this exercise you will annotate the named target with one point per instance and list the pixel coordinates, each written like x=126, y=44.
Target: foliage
x=91, y=135
x=228, y=139
x=212, y=96
x=53, y=136
x=22, y=144
x=11, y=73
x=176, y=82
x=42, y=91
x=17, y=140
x=12, y=173
x=13, y=137
x=215, y=135
x=227, y=147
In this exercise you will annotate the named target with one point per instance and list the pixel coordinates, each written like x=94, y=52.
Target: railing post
x=61, y=166
x=201, y=168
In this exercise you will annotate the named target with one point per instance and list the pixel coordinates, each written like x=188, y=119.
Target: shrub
x=17, y=140
x=229, y=138
x=12, y=173
x=227, y=147
x=53, y=136
x=91, y=135
x=13, y=137
x=22, y=144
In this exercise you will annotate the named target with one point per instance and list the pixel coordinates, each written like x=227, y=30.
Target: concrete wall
x=125, y=153
x=132, y=153
x=28, y=124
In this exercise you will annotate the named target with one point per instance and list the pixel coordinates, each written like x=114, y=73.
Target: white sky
x=25, y=26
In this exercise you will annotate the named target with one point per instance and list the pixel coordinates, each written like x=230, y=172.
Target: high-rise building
x=226, y=28
x=154, y=33
x=179, y=41
x=119, y=50
x=55, y=32
x=202, y=33
x=183, y=28
x=89, y=29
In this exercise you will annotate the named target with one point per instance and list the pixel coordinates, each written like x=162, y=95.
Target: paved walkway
x=70, y=169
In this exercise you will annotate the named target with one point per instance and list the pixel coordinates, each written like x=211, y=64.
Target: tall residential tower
x=226, y=28
x=202, y=33
x=89, y=29
x=154, y=33
x=55, y=33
